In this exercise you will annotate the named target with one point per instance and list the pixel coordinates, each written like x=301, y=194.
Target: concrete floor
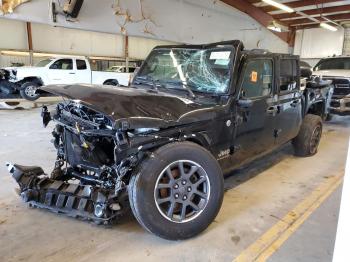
x=257, y=197
x=314, y=240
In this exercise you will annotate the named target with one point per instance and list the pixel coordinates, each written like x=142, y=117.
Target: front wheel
x=308, y=139
x=29, y=91
x=177, y=191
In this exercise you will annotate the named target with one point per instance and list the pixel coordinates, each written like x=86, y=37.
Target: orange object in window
x=254, y=76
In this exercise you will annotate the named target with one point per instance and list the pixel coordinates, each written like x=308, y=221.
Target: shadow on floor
x=256, y=167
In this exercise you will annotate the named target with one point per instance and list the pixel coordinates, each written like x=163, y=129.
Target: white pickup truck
x=60, y=70
x=337, y=69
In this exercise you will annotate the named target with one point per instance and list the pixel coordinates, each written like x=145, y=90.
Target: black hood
x=139, y=107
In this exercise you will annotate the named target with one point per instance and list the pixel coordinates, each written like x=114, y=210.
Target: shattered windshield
x=43, y=63
x=202, y=70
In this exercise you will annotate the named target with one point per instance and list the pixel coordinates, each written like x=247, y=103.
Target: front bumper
x=86, y=202
x=340, y=106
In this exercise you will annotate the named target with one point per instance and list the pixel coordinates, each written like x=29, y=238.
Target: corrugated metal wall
x=61, y=40
x=313, y=44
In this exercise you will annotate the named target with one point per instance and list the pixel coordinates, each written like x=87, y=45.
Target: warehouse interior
x=111, y=96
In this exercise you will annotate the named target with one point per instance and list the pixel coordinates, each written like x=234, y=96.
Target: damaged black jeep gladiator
x=162, y=145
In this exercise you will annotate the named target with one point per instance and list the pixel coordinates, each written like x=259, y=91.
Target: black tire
x=26, y=91
x=308, y=139
x=111, y=83
x=143, y=191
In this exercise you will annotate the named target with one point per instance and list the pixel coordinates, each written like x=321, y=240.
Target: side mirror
x=245, y=103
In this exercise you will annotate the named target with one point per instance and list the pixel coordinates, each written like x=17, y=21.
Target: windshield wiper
x=149, y=81
x=155, y=83
x=188, y=88
x=185, y=85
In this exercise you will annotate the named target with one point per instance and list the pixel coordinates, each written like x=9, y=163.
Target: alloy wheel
x=182, y=191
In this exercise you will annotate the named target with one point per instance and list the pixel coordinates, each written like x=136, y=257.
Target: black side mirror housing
x=245, y=103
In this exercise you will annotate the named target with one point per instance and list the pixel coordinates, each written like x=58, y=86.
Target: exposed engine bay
x=7, y=88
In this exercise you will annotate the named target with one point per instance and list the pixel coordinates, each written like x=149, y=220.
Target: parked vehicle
x=337, y=69
x=6, y=87
x=60, y=70
x=162, y=145
x=317, y=92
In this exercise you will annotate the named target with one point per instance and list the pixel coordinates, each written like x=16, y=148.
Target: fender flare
x=30, y=79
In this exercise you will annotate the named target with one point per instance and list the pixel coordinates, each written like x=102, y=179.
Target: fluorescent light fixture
x=274, y=26
x=279, y=6
x=329, y=27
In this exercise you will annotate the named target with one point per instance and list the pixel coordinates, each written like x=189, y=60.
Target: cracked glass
x=201, y=70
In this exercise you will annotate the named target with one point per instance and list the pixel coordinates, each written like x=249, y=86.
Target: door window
x=81, y=64
x=257, y=81
x=62, y=64
x=288, y=75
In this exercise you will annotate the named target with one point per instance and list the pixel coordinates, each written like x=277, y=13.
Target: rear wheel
x=178, y=191
x=308, y=139
x=111, y=83
x=29, y=91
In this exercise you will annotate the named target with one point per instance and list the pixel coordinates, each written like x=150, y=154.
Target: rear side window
x=257, y=79
x=62, y=64
x=81, y=65
x=288, y=75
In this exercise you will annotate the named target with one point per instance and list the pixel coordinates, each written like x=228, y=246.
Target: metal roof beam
x=259, y=15
x=297, y=4
x=317, y=11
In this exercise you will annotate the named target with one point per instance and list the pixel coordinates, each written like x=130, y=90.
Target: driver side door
x=62, y=72
x=256, y=109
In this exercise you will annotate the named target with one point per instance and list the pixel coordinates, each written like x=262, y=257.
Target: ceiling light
x=279, y=6
x=274, y=26
x=329, y=27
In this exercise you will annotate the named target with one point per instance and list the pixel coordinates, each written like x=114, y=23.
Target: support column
x=30, y=42
x=291, y=40
x=126, y=52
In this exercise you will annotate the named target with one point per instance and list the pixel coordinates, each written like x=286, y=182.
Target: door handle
x=72, y=73
x=272, y=110
x=294, y=103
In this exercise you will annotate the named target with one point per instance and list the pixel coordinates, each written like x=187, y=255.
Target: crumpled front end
x=95, y=160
